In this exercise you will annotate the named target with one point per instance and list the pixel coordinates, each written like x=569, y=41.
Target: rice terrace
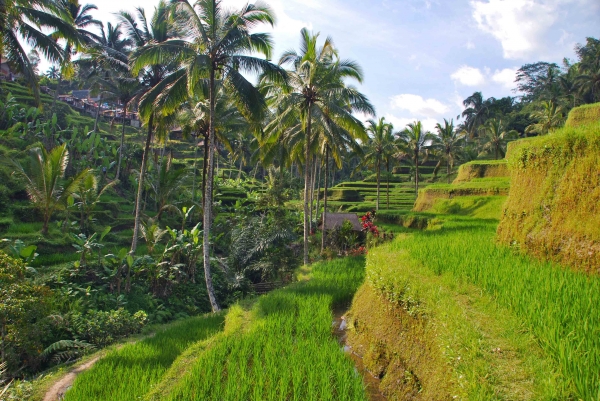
x=299, y=200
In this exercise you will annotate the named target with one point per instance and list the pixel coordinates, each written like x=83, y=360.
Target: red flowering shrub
x=367, y=224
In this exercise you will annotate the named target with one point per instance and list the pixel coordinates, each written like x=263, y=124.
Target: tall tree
x=380, y=145
x=23, y=21
x=413, y=140
x=449, y=141
x=317, y=84
x=82, y=21
x=143, y=34
x=548, y=117
x=217, y=46
x=495, y=138
x=476, y=112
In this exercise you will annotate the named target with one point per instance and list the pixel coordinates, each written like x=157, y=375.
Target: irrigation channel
x=371, y=381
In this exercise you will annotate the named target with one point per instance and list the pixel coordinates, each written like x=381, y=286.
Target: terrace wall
x=553, y=208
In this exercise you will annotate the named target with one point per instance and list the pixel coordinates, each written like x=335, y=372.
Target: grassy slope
x=286, y=350
x=279, y=346
x=553, y=207
x=127, y=373
x=505, y=326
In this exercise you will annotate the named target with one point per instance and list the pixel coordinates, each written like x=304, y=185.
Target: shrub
x=22, y=306
x=102, y=328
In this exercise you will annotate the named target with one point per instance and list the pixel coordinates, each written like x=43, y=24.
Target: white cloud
x=468, y=76
x=505, y=77
x=470, y=45
x=418, y=106
x=400, y=123
x=519, y=25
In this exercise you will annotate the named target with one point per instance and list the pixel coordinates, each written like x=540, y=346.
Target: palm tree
x=168, y=182
x=317, y=85
x=82, y=20
x=476, y=112
x=144, y=33
x=549, y=117
x=496, y=136
x=449, y=141
x=413, y=140
x=87, y=195
x=43, y=180
x=53, y=72
x=216, y=50
x=379, y=146
x=23, y=21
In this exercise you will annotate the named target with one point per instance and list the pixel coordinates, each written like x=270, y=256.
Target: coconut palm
x=495, y=138
x=82, y=20
x=476, y=112
x=43, y=179
x=216, y=49
x=144, y=33
x=549, y=117
x=23, y=21
x=87, y=195
x=449, y=141
x=412, y=141
x=378, y=147
x=53, y=72
x=168, y=182
x=317, y=86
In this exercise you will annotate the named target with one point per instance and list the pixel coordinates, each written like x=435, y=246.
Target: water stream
x=371, y=381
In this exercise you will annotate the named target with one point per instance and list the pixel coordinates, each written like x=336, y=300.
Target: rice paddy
x=129, y=372
x=556, y=304
x=283, y=350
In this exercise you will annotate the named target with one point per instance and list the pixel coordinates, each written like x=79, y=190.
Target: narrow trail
x=58, y=390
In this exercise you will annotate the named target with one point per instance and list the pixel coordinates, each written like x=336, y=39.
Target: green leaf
x=106, y=231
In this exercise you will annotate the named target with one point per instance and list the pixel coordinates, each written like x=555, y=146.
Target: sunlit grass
x=128, y=373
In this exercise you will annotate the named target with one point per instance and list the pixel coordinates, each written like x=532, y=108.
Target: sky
x=422, y=58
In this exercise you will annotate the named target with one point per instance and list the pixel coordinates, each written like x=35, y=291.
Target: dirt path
x=58, y=390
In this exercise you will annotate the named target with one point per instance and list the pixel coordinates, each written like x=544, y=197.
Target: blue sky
x=421, y=58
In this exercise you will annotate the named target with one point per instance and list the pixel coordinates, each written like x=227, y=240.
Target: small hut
x=335, y=220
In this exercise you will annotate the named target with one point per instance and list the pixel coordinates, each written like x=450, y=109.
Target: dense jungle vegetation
x=110, y=227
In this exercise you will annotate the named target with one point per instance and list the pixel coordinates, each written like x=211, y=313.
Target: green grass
x=281, y=348
x=554, y=304
x=128, y=373
x=287, y=352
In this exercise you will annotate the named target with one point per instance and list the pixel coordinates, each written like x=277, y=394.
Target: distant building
x=7, y=73
x=335, y=220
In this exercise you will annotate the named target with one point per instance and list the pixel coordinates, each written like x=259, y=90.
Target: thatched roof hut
x=335, y=220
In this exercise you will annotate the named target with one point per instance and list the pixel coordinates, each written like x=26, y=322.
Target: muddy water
x=371, y=381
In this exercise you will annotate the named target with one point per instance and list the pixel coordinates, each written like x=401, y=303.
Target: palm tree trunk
x=208, y=197
x=204, y=169
x=416, y=172
x=318, y=194
x=122, y=143
x=378, y=181
x=388, y=182
x=307, y=182
x=97, y=114
x=448, y=166
x=195, y=172
x=325, y=199
x=312, y=193
x=53, y=108
x=138, y=201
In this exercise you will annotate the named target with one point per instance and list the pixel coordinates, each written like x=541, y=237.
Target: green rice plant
x=287, y=352
x=555, y=303
x=129, y=373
